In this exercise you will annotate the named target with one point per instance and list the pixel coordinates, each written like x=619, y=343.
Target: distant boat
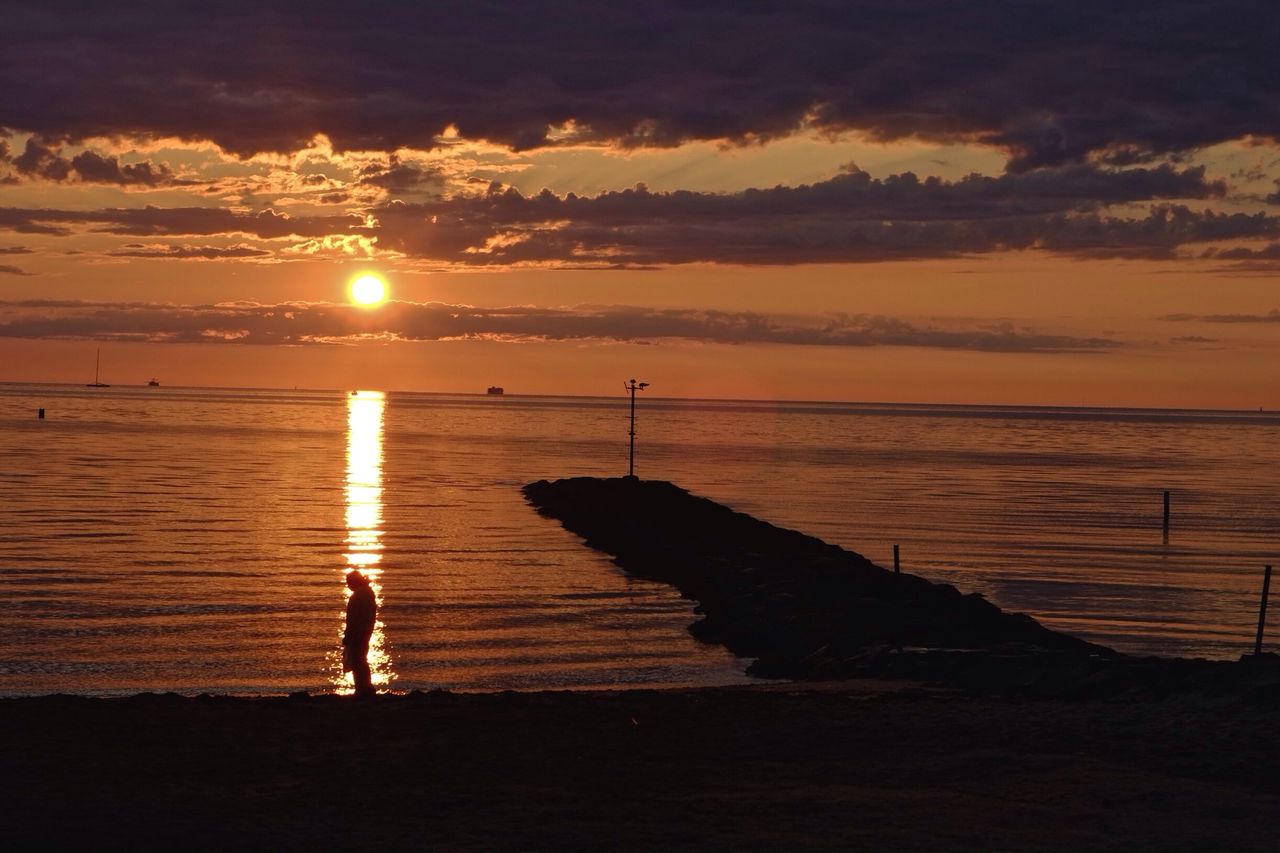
x=97, y=362
x=154, y=383
x=495, y=390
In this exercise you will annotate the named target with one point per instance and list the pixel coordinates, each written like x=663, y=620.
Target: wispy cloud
x=201, y=253
x=326, y=323
x=152, y=221
x=1272, y=316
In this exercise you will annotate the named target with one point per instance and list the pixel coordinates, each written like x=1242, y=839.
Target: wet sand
x=855, y=765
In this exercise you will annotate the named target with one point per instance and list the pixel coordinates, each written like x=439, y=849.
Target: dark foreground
x=864, y=766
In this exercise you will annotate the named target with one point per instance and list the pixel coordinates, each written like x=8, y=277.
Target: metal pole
x=1166, y=517
x=631, y=458
x=1262, y=610
x=633, y=386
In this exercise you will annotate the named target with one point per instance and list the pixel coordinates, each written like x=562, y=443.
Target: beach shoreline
x=852, y=765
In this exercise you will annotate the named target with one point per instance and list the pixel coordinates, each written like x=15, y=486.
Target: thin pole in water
x=1262, y=609
x=633, y=386
x=897, y=594
x=1166, y=517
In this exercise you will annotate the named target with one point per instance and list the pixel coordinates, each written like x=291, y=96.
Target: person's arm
x=351, y=617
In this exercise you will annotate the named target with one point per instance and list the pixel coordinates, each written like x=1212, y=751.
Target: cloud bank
x=325, y=323
x=851, y=217
x=1050, y=82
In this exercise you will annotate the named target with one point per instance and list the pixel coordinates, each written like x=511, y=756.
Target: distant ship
x=97, y=362
x=495, y=390
x=154, y=383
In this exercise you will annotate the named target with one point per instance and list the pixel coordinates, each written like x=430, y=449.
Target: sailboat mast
x=97, y=364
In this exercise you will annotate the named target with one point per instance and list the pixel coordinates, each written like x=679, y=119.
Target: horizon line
x=756, y=400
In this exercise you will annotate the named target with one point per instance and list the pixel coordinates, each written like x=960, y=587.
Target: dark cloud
x=1193, y=339
x=1272, y=316
x=1270, y=252
x=207, y=253
x=15, y=250
x=851, y=217
x=44, y=160
x=854, y=194
x=1257, y=173
x=399, y=177
x=22, y=221
x=1051, y=81
x=303, y=323
x=95, y=168
x=9, y=269
x=1245, y=260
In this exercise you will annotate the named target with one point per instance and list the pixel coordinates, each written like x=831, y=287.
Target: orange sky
x=839, y=255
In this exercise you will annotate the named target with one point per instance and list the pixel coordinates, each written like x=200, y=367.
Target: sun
x=368, y=291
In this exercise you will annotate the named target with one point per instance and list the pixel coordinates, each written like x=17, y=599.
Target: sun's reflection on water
x=363, y=493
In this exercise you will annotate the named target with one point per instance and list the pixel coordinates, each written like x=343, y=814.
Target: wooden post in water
x=1262, y=609
x=1166, y=516
x=41, y=414
x=897, y=590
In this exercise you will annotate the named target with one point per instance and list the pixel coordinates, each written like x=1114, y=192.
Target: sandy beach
x=853, y=765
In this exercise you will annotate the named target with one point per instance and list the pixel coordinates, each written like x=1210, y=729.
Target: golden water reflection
x=363, y=493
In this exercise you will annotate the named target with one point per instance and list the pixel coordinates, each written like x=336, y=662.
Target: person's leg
x=360, y=673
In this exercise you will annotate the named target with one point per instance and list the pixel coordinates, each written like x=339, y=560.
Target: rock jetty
x=801, y=607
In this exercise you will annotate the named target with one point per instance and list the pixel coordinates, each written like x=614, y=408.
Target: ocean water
x=197, y=539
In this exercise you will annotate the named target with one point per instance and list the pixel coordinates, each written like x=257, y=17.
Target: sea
x=196, y=540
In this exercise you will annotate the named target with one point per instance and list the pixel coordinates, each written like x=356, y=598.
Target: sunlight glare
x=364, y=523
x=368, y=291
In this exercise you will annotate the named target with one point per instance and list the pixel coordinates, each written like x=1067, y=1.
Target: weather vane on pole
x=633, y=386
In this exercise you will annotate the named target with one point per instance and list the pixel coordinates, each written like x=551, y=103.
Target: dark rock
x=801, y=607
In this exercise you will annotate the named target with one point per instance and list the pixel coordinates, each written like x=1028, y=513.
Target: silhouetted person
x=362, y=612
